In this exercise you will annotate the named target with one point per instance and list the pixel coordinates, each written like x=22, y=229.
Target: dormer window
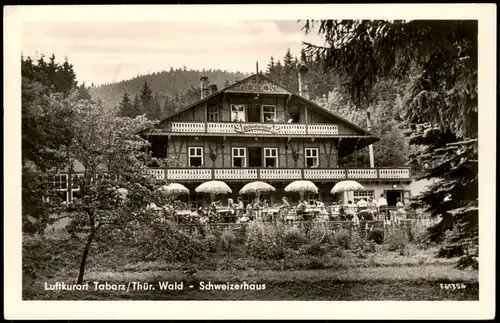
x=268, y=113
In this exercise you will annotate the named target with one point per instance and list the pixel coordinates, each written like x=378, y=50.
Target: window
x=365, y=194
x=195, y=156
x=58, y=182
x=239, y=157
x=312, y=157
x=213, y=113
x=76, y=181
x=312, y=198
x=195, y=200
x=271, y=157
x=268, y=113
x=238, y=112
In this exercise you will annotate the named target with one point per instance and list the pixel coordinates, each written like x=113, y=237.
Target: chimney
x=204, y=87
x=302, y=85
x=213, y=89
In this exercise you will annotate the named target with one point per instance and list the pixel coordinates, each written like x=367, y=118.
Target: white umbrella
x=174, y=189
x=301, y=187
x=213, y=188
x=346, y=186
x=257, y=187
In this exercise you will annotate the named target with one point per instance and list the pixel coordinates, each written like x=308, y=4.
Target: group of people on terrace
x=260, y=209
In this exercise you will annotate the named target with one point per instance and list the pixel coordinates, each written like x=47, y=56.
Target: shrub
x=314, y=249
x=293, y=238
x=228, y=240
x=265, y=241
x=320, y=233
x=337, y=253
x=369, y=246
x=168, y=242
x=316, y=263
x=377, y=235
x=342, y=239
x=396, y=240
x=211, y=243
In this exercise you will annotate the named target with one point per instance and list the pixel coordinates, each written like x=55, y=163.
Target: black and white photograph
x=227, y=153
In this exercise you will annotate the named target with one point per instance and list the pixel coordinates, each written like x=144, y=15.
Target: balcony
x=248, y=128
x=279, y=174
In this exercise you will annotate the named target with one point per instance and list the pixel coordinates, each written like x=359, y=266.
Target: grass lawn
x=341, y=275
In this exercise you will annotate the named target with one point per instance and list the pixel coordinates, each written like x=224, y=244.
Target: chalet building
x=256, y=129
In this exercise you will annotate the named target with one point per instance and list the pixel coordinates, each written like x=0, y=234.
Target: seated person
x=301, y=210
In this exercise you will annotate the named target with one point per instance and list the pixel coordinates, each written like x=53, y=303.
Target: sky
x=111, y=51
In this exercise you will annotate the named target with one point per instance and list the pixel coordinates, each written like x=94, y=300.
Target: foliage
x=228, y=240
x=265, y=241
x=173, y=88
x=396, y=239
x=293, y=238
x=314, y=249
x=211, y=243
x=439, y=59
x=47, y=93
x=316, y=263
x=376, y=235
x=167, y=242
x=342, y=239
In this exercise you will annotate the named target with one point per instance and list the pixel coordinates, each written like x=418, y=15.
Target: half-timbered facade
x=256, y=129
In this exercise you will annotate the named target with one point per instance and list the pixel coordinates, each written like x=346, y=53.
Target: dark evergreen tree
x=440, y=58
x=126, y=108
x=147, y=102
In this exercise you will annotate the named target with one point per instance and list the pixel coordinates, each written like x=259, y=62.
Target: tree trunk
x=85, y=254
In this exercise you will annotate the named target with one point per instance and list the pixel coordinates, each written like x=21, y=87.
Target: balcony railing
x=252, y=128
x=202, y=174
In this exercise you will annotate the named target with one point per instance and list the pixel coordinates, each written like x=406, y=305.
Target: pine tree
x=137, y=106
x=440, y=58
x=126, y=108
x=270, y=67
x=156, y=113
x=146, y=97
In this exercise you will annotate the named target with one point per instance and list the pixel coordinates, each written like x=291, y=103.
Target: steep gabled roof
x=271, y=87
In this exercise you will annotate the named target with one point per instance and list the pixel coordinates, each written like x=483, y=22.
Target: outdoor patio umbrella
x=256, y=188
x=301, y=187
x=174, y=189
x=213, y=188
x=345, y=186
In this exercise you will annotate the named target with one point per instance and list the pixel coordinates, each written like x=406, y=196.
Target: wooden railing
x=202, y=174
x=253, y=128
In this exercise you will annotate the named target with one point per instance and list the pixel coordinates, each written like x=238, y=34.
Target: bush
x=396, y=240
x=314, y=249
x=376, y=235
x=343, y=239
x=369, y=246
x=316, y=263
x=293, y=238
x=167, y=241
x=211, y=243
x=320, y=233
x=265, y=241
x=228, y=240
